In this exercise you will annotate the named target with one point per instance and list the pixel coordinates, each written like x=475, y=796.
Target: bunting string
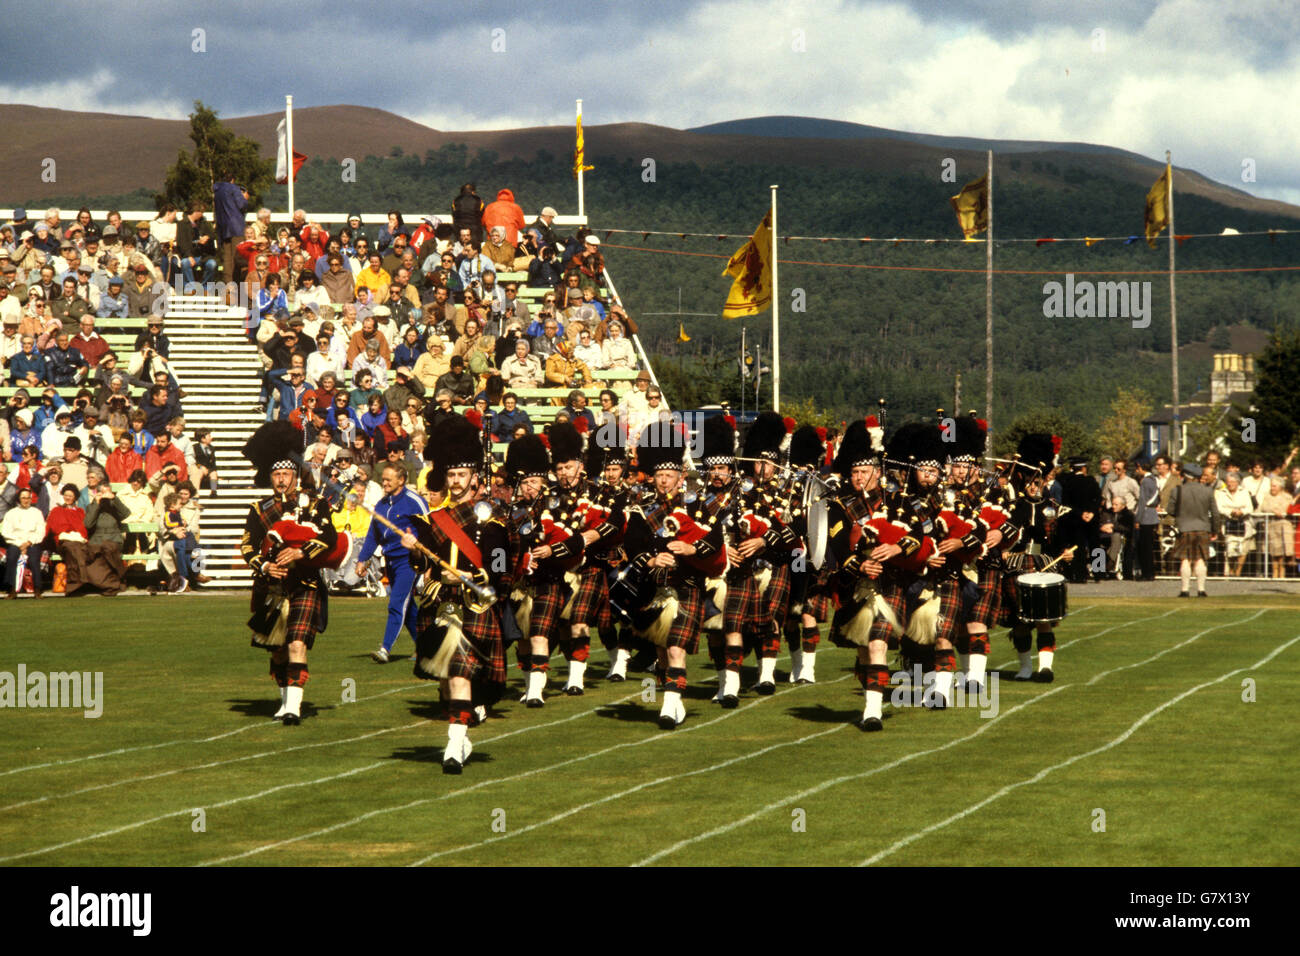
x=900, y=240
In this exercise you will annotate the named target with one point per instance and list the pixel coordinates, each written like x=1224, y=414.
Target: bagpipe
x=538, y=527
x=294, y=533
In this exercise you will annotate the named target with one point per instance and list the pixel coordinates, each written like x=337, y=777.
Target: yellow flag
x=681, y=332
x=972, y=206
x=579, y=152
x=751, y=265
x=1157, y=211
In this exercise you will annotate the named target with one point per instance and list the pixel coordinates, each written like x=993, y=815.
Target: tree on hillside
x=1120, y=432
x=218, y=152
x=1075, y=439
x=1276, y=403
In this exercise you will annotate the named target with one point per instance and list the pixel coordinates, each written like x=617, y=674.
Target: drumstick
x=1068, y=552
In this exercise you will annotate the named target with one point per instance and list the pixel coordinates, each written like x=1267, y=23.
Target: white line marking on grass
x=625, y=793
x=1133, y=728
x=1113, y=627
x=187, y=811
x=215, y=763
x=501, y=780
x=1194, y=637
x=255, y=796
x=826, y=784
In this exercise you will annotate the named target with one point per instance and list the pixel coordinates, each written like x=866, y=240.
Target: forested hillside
x=900, y=331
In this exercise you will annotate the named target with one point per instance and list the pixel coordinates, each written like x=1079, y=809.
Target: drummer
x=1031, y=512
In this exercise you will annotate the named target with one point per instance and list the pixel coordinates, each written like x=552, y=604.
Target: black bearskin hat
x=1038, y=452
x=969, y=440
x=806, y=447
x=719, y=442
x=274, y=445
x=763, y=440
x=855, y=449
x=454, y=443
x=526, y=457
x=916, y=444
x=607, y=445
x=566, y=443
x=662, y=445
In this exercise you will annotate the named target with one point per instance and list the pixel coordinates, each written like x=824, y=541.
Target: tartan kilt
x=985, y=609
x=893, y=593
x=685, y=631
x=481, y=655
x=308, y=614
x=745, y=610
x=592, y=603
x=1009, y=605
x=950, y=609
x=549, y=598
x=777, y=595
x=1192, y=546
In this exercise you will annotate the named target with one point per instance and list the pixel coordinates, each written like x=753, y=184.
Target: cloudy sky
x=1213, y=81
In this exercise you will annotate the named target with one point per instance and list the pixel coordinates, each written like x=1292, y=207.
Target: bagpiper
x=810, y=592
x=774, y=550
x=288, y=538
x=591, y=512
x=551, y=552
x=672, y=546
x=464, y=548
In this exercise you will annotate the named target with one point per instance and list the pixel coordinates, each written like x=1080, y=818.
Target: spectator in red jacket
x=164, y=453
x=507, y=213
x=122, y=461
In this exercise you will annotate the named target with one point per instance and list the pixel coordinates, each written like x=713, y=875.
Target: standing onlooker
x=1193, y=507
x=1148, y=519
x=1275, y=502
x=1235, y=507
x=229, y=203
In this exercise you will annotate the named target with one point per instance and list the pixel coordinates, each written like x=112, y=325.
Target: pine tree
x=218, y=153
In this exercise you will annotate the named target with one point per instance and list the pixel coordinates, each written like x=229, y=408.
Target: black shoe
x=451, y=765
x=291, y=720
x=1045, y=676
x=974, y=688
x=872, y=724
x=729, y=702
x=1183, y=594
x=643, y=661
x=532, y=703
x=935, y=703
x=1201, y=594
x=766, y=688
x=573, y=691
x=615, y=678
x=667, y=722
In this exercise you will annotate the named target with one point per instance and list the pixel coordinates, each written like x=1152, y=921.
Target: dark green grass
x=1207, y=781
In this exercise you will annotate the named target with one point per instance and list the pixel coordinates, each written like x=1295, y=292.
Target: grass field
x=1146, y=722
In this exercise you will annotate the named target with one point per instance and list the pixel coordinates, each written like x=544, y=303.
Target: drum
x=818, y=519
x=1040, y=597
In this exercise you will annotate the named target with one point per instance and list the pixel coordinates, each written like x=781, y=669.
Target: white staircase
x=220, y=372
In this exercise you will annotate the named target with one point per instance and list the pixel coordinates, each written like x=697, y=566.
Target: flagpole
x=581, y=204
x=776, y=324
x=988, y=313
x=288, y=148
x=1174, y=443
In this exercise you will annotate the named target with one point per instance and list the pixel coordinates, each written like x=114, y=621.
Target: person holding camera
x=96, y=439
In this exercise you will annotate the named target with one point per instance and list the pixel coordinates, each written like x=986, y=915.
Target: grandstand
x=221, y=371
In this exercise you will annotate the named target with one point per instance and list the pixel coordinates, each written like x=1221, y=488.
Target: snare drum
x=1040, y=597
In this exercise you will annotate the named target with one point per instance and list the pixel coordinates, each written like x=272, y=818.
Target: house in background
x=1231, y=383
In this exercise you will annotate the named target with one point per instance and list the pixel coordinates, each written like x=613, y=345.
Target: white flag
x=281, y=154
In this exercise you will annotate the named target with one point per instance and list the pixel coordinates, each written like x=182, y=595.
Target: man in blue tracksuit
x=398, y=505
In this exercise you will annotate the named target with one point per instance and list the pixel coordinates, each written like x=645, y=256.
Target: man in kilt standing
x=459, y=639
x=607, y=458
x=810, y=594
x=285, y=538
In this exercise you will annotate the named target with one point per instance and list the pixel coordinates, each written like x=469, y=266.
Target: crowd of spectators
x=368, y=337
x=1244, y=518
